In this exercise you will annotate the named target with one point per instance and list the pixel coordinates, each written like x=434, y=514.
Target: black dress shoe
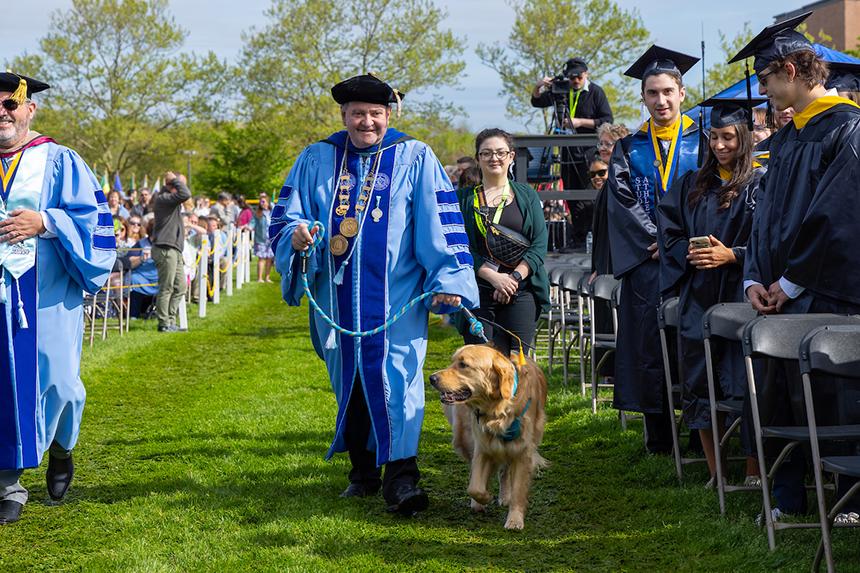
x=10, y=511
x=407, y=499
x=359, y=490
x=59, y=476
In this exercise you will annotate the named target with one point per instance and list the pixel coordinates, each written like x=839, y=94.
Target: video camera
x=560, y=85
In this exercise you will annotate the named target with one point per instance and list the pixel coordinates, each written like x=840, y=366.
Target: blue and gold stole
x=650, y=176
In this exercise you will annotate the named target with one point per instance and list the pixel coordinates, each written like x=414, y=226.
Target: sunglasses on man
x=9, y=104
x=598, y=173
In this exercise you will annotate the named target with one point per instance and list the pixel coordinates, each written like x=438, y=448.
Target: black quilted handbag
x=504, y=245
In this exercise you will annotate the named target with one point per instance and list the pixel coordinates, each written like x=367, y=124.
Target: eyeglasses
x=598, y=173
x=605, y=144
x=134, y=223
x=488, y=154
x=762, y=77
x=9, y=104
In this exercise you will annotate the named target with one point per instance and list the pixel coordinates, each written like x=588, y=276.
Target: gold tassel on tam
x=521, y=359
x=20, y=94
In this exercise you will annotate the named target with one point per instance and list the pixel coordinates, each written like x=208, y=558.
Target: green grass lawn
x=204, y=451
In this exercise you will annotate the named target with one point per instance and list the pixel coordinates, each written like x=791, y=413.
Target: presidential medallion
x=338, y=245
x=349, y=227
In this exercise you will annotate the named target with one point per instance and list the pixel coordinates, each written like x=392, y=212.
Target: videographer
x=167, y=243
x=580, y=107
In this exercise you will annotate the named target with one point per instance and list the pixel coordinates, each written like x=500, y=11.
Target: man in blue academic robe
x=393, y=232
x=56, y=241
x=643, y=167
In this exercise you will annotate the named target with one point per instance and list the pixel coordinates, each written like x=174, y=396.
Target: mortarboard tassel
x=20, y=94
x=521, y=359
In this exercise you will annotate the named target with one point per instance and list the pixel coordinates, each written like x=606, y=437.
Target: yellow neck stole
x=669, y=133
x=725, y=174
x=6, y=175
x=818, y=106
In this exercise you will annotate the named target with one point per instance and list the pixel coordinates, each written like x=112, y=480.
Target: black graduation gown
x=639, y=375
x=807, y=215
x=807, y=229
x=698, y=290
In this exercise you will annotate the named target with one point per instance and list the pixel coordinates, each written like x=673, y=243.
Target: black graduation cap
x=775, y=42
x=575, y=67
x=731, y=111
x=657, y=60
x=844, y=77
x=367, y=88
x=21, y=87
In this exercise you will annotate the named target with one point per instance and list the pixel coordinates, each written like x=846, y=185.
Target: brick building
x=839, y=19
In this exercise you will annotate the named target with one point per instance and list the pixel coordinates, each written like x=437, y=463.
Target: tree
x=121, y=94
x=288, y=73
x=547, y=32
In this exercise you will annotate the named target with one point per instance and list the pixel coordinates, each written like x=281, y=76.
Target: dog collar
x=516, y=383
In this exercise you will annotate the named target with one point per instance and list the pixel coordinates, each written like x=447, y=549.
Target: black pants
x=519, y=316
x=364, y=469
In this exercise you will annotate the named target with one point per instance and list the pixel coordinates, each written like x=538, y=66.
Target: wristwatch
x=517, y=276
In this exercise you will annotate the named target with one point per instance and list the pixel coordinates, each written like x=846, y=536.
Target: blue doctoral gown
x=41, y=300
x=411, y=241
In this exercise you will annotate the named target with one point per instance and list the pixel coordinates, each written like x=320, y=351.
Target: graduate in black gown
x=643, y=167
x=803, y=255
x=716, y=202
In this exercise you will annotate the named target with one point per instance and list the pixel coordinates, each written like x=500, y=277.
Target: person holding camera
x=581, y=106
x=168, y=240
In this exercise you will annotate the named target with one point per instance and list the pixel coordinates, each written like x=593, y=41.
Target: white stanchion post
x=201, y=277
x=231, y=233
x=249, y=241
x=240, y=268
x=183, y=313
x=216, y=270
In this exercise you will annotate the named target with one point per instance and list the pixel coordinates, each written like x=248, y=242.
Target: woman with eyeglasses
x=507, y=238
x=705, y=221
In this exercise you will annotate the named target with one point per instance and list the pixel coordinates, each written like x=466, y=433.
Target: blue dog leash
x=475, y=326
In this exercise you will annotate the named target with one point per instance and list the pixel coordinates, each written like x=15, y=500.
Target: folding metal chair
x=667, y=317
x=725, y=321
x=583, y=331
x=833, y=351
x=569, y=286
x=555, y=319
x=779, y=337
x=605, y=288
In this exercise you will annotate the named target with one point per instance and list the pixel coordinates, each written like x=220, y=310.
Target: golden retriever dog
x=496, y=410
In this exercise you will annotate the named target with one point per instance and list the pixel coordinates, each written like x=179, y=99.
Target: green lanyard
x=481, y=201
x=575, y=102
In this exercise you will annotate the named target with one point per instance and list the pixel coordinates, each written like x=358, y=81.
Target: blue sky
x=218, y=24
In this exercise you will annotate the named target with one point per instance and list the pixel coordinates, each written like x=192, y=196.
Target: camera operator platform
x=580, y=106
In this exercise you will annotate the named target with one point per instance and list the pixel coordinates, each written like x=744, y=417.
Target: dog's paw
x=514, y=521
x=477, y=507
x=503, y=499
x=482, y=497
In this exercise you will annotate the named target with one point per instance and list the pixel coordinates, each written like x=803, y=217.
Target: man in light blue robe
x=56, y=241
x=393, y=232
